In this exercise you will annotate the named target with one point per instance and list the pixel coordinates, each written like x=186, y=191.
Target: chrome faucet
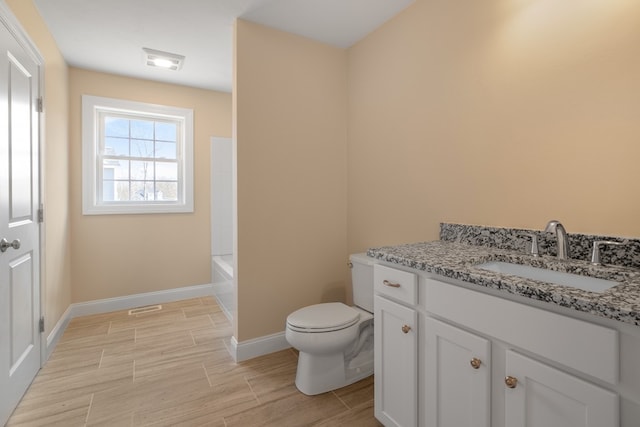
x=554, y=226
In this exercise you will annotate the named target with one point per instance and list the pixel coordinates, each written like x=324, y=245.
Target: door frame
x=10, y=21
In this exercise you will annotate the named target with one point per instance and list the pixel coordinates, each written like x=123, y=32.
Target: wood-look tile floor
x=172, y=368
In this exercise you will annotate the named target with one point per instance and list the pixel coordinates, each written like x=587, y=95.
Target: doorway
x=20, y=325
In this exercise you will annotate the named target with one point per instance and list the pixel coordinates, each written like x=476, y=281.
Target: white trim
x=239, y=351
x=138, y=300
x=15, y=27
x=91, y=188
x=226, y=312
x=56, y=333
x=260, y=346
x=121, y=303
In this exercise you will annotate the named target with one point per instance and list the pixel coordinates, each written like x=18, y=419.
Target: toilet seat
x=327, y=317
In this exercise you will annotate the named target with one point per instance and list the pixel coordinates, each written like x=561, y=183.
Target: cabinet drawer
x=584, y=346
x=397, y=284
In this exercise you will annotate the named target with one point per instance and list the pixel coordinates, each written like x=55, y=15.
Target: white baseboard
x=139, y=300
x=121, y=303
x=244, y=350
x=56, y=333
x=226, y=312
x=260, y=346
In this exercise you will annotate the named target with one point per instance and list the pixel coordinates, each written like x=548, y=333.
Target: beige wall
x=291, y=132
x=117, y=255
x=496, y=113
x=57, y=267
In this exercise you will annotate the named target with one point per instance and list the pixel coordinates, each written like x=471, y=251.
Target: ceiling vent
x=160, y=59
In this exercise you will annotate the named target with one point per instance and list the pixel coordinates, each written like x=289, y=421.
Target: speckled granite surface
x=515, y=239
x=458, y=260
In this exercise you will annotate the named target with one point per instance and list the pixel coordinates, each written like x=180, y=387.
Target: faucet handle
x=595, y=253
x=534, y=244
x=551, y=225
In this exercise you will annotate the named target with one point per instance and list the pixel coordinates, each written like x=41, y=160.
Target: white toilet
x=335, y=341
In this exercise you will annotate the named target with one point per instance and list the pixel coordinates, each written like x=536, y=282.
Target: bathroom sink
x=591, y=284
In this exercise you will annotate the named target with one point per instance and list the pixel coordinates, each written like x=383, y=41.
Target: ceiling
x=108, y=35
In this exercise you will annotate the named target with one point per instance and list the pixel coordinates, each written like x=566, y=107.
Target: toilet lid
x=325, y=317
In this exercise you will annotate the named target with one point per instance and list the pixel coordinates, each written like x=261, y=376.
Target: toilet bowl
x=335, y=341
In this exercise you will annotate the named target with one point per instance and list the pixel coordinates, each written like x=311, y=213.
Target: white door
x=396, y=363
x=19, y=228
x=538, y=395
x=458, y=377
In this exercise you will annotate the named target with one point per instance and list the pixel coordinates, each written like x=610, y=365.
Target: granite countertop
x=458, y=261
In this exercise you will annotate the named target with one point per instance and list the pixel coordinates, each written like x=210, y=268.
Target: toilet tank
x=362, y=280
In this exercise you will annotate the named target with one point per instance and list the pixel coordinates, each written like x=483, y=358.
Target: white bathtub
x=222, y=280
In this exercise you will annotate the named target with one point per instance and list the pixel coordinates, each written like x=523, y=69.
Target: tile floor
x=172, y=368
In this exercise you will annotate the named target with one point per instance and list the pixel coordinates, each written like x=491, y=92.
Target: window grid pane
x=140, y=159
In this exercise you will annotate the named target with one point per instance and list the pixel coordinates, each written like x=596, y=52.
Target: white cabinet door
x=396, y=363
x=458, y=377
x=542, y=396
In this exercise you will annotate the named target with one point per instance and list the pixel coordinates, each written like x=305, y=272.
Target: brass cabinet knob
x=406, y=328
x=511, y=382
x=390, y=284
x=475, y=363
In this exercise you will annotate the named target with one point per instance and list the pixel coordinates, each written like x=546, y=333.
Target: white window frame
x=92, y=107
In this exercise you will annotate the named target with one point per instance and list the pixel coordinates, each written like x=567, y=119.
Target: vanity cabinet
x=395, y=347
x=457, y=376
x=458, y=387
x=395, y=363
x=481, y=360
x=541, y=396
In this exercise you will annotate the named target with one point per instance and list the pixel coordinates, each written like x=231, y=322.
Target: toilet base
x=318, y=374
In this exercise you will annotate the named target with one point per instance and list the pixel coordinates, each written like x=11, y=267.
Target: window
x=137, y=157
